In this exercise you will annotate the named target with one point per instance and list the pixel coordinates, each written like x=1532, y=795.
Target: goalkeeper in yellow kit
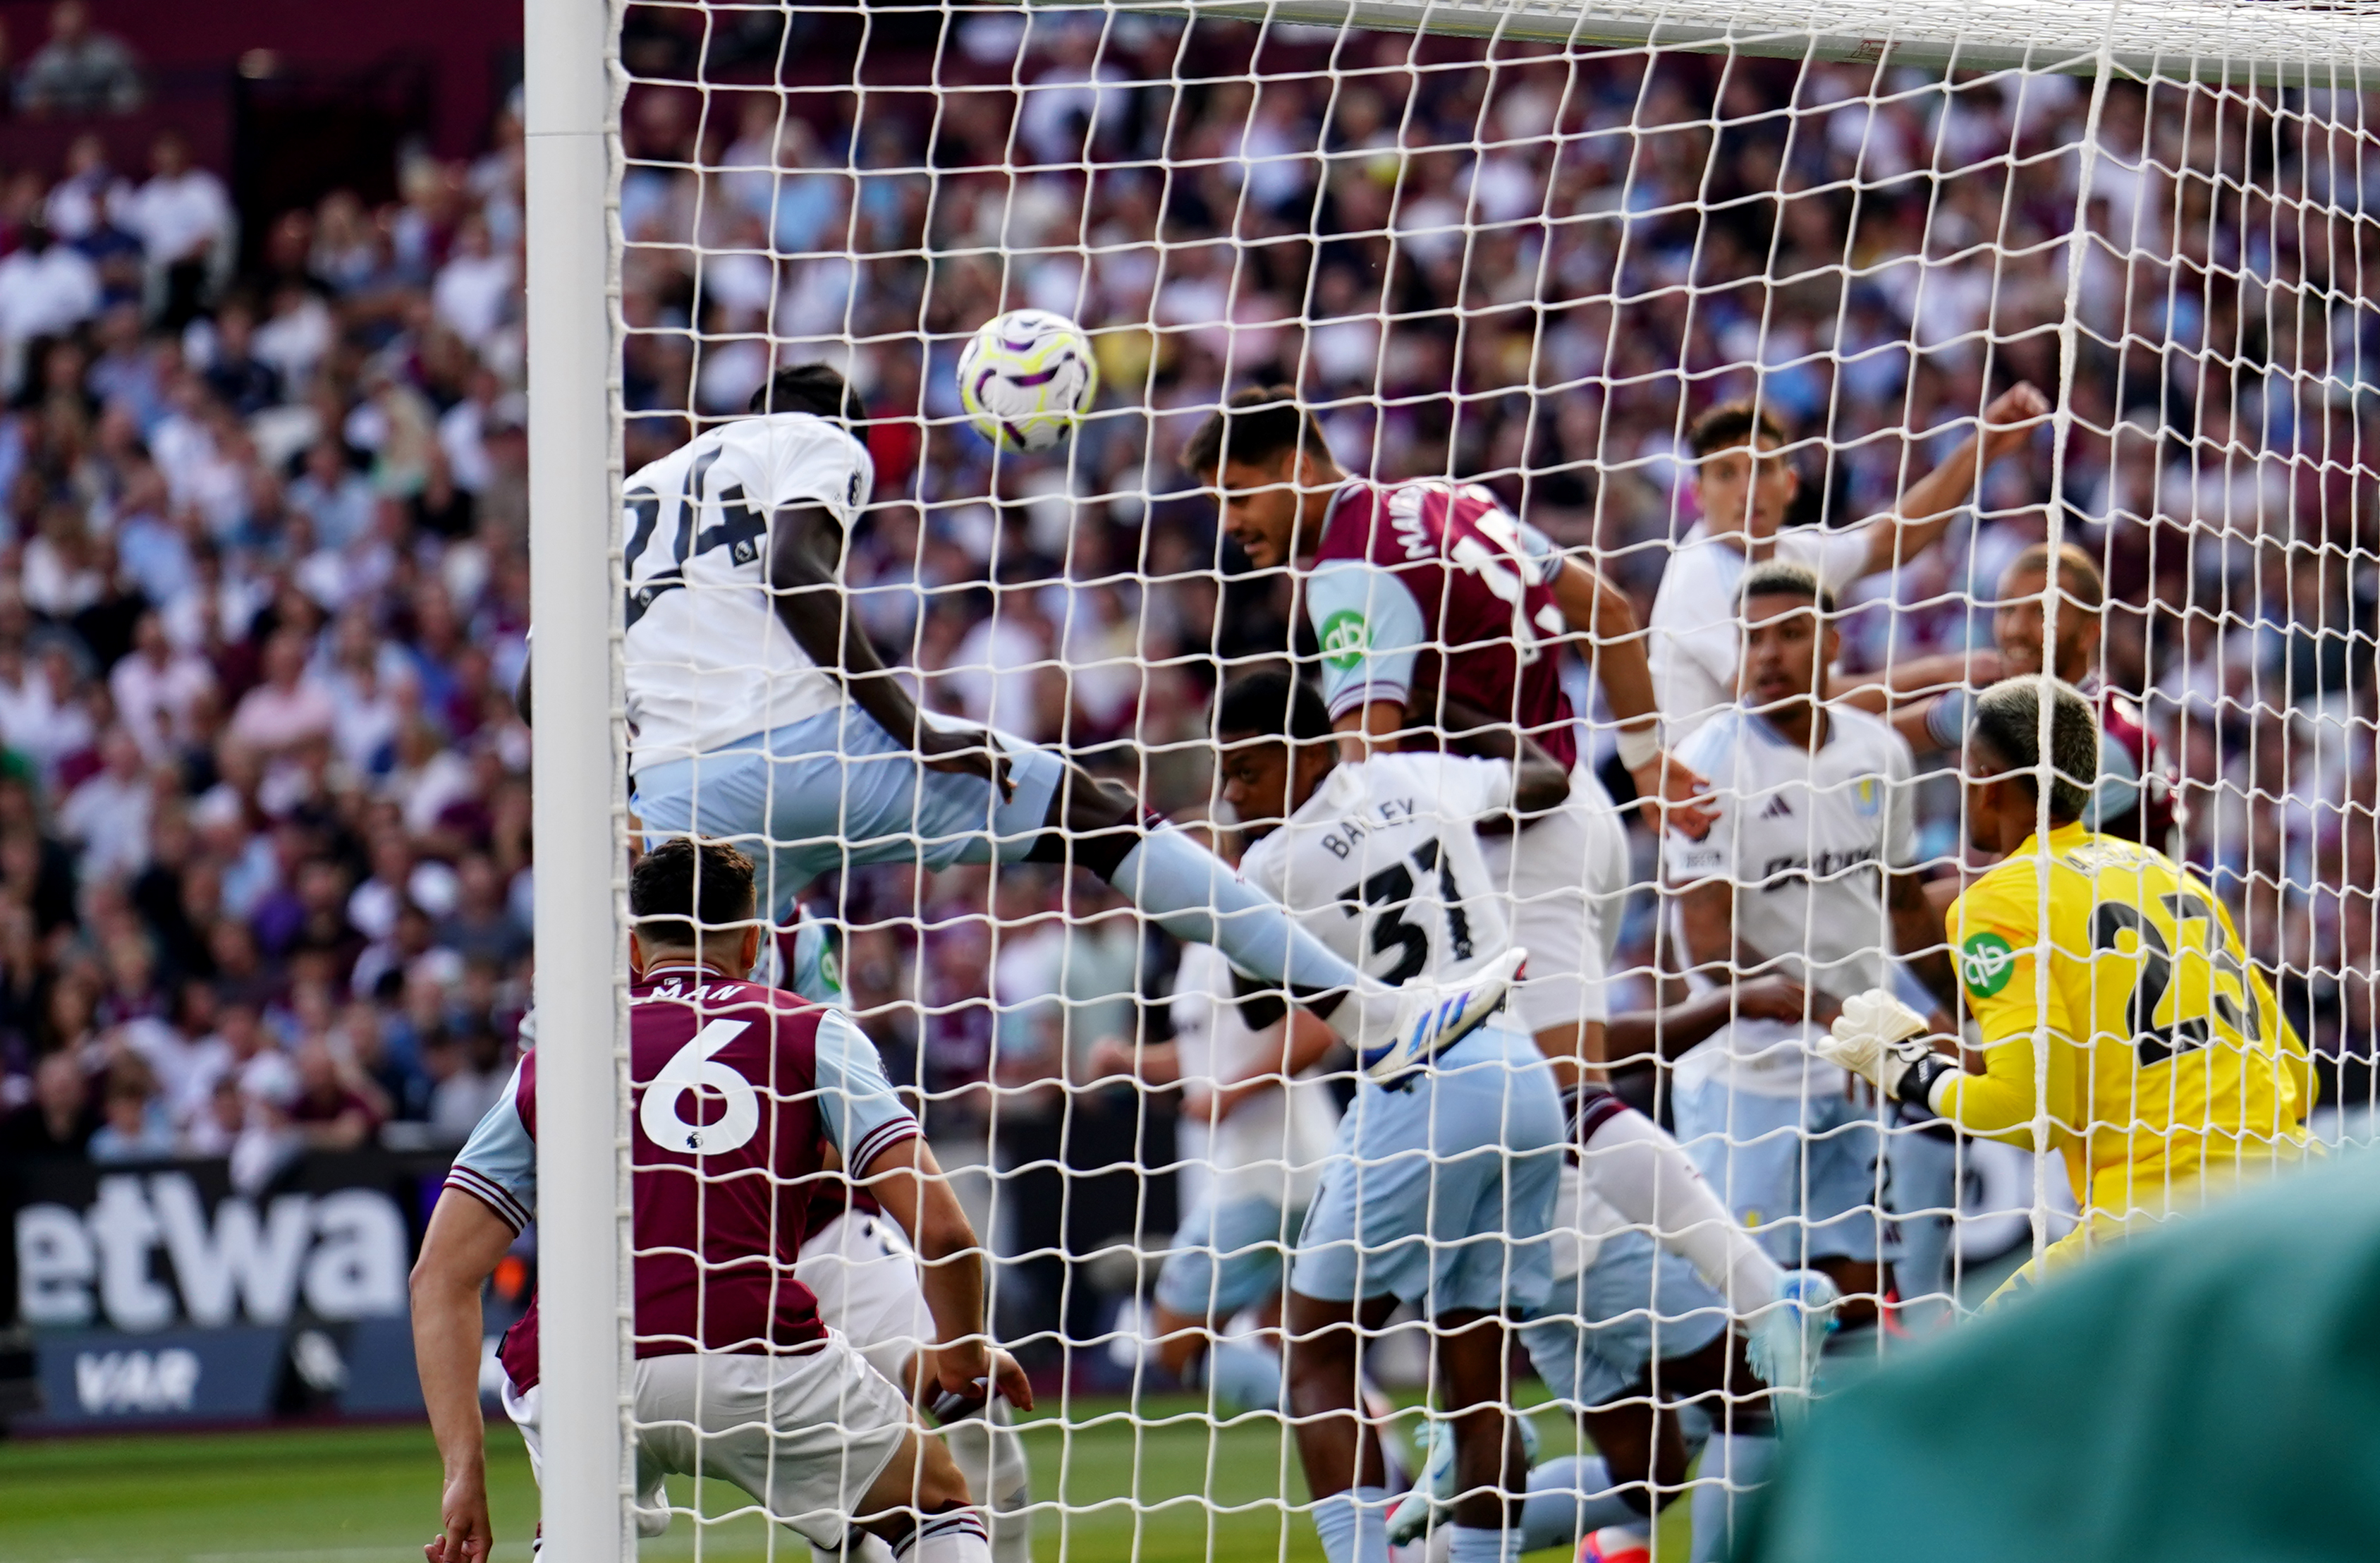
x=2171, y=1074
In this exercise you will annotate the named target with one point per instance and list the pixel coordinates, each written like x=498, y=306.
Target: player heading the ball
x=1439, y=617
x=760, y=714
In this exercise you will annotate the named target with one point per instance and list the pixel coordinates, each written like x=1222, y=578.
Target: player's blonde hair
x=2078, y=573
x=2008, y=718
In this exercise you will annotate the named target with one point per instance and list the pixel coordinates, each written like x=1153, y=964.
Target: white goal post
x=2243, y=52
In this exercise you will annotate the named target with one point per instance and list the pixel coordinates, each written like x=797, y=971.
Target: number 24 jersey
x=705, y=659
x=2168, y=1054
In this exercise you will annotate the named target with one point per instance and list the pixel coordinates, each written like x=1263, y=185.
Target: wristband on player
x=1946, y=723
x=1639, y=747
x=1587, y=1107
x=1916, y=1085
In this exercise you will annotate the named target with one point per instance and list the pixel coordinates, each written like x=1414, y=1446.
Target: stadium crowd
x=264, y=852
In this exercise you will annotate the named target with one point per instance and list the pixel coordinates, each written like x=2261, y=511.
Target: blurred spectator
x=182, y=216
x=107, y=816
x=80, y=70
x=61, y=1117
x=328, y=1109
x=136, y=1126
x=45, y=287
x=288, y=706
x=159, y=690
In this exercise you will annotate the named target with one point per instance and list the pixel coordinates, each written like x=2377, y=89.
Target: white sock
x=1469, y=1544
x=991, y=1457
x=1570, y=1499
x=1647, y=1176
x=1354, y=1525
x=956, y=1537
x=1732, y=1463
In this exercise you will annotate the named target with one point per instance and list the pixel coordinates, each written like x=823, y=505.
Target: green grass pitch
x=364, y=1495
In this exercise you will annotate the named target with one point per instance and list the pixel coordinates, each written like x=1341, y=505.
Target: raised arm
x=803, y=543
x=1927, y=505
x=1594, y=605
x=460, y=1251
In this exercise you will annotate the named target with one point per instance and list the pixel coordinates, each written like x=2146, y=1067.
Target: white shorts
x=806, y=1434
x=1565, y=877
x=864, y=1274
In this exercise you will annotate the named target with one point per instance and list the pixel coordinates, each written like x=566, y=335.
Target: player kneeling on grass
x=1439, y=1189
x=735, y=1088
x=860, y=1267
x=2172, y=1073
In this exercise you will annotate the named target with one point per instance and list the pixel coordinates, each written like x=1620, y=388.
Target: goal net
x=1664, y=290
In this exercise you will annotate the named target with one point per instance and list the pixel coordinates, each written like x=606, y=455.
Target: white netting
x=1533, y=263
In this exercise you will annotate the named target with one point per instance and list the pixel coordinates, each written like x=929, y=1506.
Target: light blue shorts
x=1808, y=1177
x=836, y=791
x=1597, y=1336
x=1441, y=1193
x=1227, y=1256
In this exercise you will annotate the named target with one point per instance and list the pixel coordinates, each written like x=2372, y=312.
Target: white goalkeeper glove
x=1883, y=1041
x=1785, y=1337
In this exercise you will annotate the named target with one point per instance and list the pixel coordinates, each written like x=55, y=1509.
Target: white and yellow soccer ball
x=1027, y=379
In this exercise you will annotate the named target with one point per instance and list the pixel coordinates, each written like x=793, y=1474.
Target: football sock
x=1354, y=1525
x=956, y=1537
x=1244, y=1375
x=991, y=1457
x=1569, y=1498
x=1647, y=1176
x=1469, y=1544
x=1743, y=1460
x=1192, y=894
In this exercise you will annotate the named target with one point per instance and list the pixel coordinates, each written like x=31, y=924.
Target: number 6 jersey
x=735, y=1087
x=705, y=659
x=1383, y=865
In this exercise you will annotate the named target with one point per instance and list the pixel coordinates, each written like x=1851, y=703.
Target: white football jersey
x=1383, y=865
x=1274, y=1145
x=1805, y=839
x=707, y=659
x=1695, y=638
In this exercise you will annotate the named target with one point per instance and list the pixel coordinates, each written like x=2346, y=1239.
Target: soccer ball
x=1026, y=378
x=1615, y=1543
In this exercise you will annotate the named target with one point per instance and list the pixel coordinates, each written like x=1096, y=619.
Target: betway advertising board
x=157, y=1293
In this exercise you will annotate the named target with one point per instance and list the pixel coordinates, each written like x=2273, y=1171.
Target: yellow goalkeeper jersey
x=2168, y=1056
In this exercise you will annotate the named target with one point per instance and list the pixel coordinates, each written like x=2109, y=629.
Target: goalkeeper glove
x=1883, y=1041
x=1785, y=1337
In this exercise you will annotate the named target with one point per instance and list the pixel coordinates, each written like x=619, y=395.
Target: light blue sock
x=1569, y=1498
x=1743, y=1460
x=1244, y=1375
x=1472, y=1545
x=1192, y=894
x=1354, y=1525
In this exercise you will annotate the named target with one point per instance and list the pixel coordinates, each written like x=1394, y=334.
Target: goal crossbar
x=2218, y=43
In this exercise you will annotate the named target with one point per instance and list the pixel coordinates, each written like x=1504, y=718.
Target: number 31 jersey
x=1383, y=865
x=707, y=660
x=2168, y=1054
x=1425, y=586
